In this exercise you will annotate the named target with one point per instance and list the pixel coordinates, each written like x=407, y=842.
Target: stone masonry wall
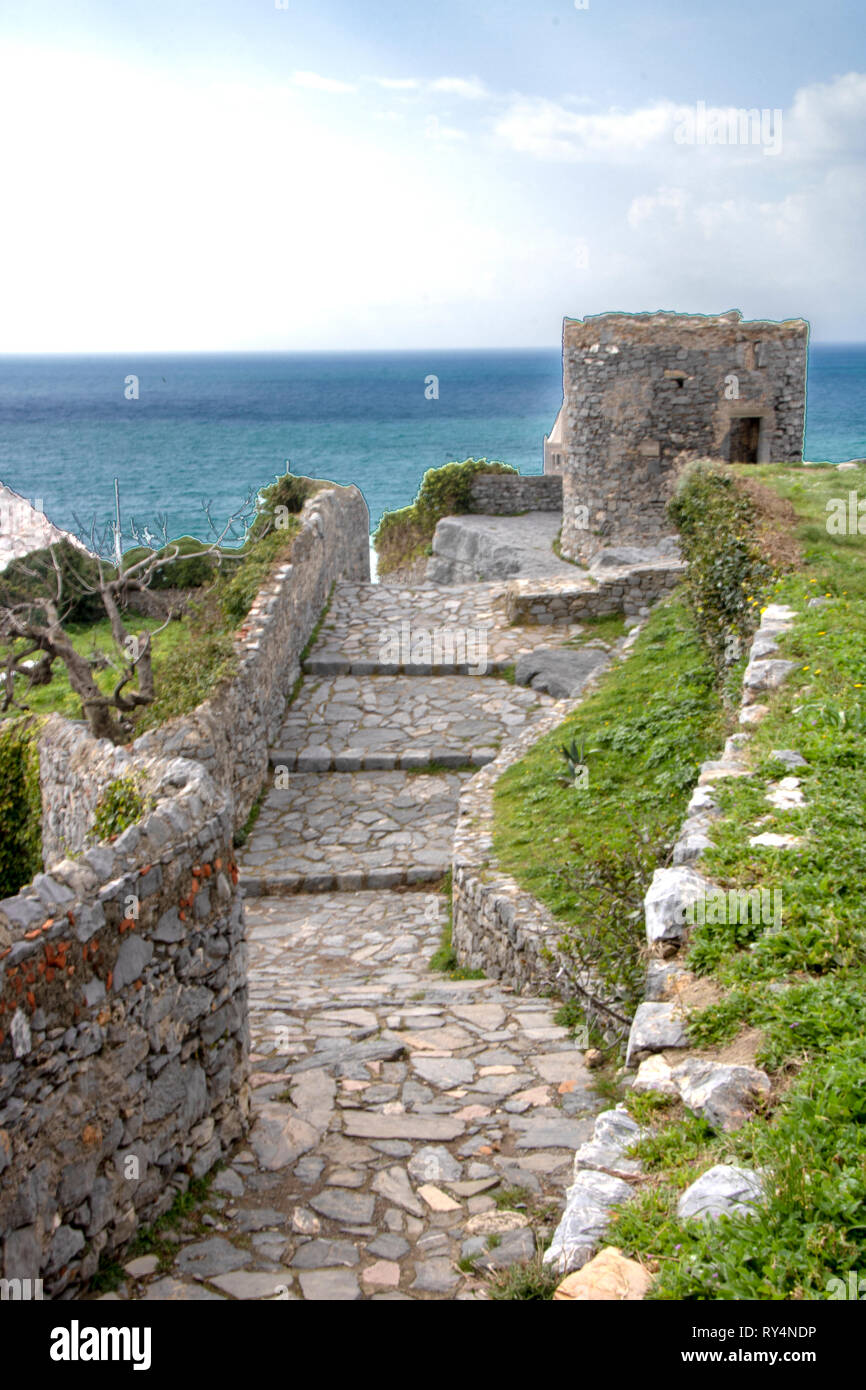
x=229, y=734
x=629, y=589
x=643, y=394
x=505, y=494
x=497, y=926
x=123, y=1018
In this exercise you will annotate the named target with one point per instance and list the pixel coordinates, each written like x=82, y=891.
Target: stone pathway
x=380, y=628
x=353, y=830
x=344, y=723
x=410, y=1133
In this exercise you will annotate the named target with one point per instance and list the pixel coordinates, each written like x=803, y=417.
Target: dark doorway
x=745, y=436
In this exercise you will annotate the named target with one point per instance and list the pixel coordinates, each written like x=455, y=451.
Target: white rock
x=588, y=1204
x=766, y=675
x=719, y=1192
x=778, y=613
x=724, y=1095
x=655, y=1074
x=667, y=901
x=654, y=1028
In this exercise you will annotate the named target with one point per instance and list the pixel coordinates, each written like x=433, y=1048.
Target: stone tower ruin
x=643, y=394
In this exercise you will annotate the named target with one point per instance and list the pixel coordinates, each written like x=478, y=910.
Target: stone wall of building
x=506, y=494
x=643, y=394
x=123, y=1014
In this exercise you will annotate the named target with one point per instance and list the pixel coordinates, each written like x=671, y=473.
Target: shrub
x=727, y=572
x=403, y=535
x=120, y=806
x=33, y=576
x=20, y=807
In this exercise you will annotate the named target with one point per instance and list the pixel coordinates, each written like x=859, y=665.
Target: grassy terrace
x=793, y=997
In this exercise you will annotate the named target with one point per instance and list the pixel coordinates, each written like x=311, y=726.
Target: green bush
x=20, y=807
x=33, y=577
x=120, y=806
x=727, y=572
x=403, y=535
x=186, y=573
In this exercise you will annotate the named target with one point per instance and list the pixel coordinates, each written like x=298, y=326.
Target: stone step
x=352, y=829
x=349, y=723
x=323, y=760
x=338, y=666
x=274, y=884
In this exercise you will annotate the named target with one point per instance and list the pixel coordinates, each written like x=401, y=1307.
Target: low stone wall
x=504, y=494
x=123, y=1019
x=497, y=926
x=229, y=733
x=627, y=589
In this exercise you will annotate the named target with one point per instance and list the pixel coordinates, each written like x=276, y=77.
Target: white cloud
x=470, y=88
x=548, y=131
x=828, y=117
x=315, y=82
x=398, y=84
x=643, y=208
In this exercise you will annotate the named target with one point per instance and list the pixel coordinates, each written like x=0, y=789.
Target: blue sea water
x=212, y=427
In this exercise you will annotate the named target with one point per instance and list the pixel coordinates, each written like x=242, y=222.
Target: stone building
x=645, y=393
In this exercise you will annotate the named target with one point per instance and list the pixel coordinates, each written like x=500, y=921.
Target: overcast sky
x=227, y=174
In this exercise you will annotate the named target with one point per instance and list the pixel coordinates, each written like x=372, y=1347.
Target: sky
x=232, y=175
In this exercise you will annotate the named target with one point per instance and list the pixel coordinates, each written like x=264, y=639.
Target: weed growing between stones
x=186, y=1213
x=529, y=1282
x=121, y=805
x=444, y=958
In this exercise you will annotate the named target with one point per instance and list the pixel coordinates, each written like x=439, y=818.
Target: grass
x=444, y=959
x=802, y=983
x=186, y=1211
x=609, y=628
x=527, y=1283
x=589, y=855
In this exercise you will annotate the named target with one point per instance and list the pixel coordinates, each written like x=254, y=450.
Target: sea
x=187, y=435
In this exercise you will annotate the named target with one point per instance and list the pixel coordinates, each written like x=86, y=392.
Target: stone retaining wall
x=504, y=494
x=497, y=926
x=229, y=733
x=626, y=589
x=123, y=1016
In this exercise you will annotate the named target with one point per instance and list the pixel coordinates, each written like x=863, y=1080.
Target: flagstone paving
x=391, y=1108
x=377, y=627
x=364, y=829
x=408, y=1132
x=345, y=722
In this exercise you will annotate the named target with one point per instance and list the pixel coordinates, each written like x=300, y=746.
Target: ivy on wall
x=20, y=806
x=718, y=526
